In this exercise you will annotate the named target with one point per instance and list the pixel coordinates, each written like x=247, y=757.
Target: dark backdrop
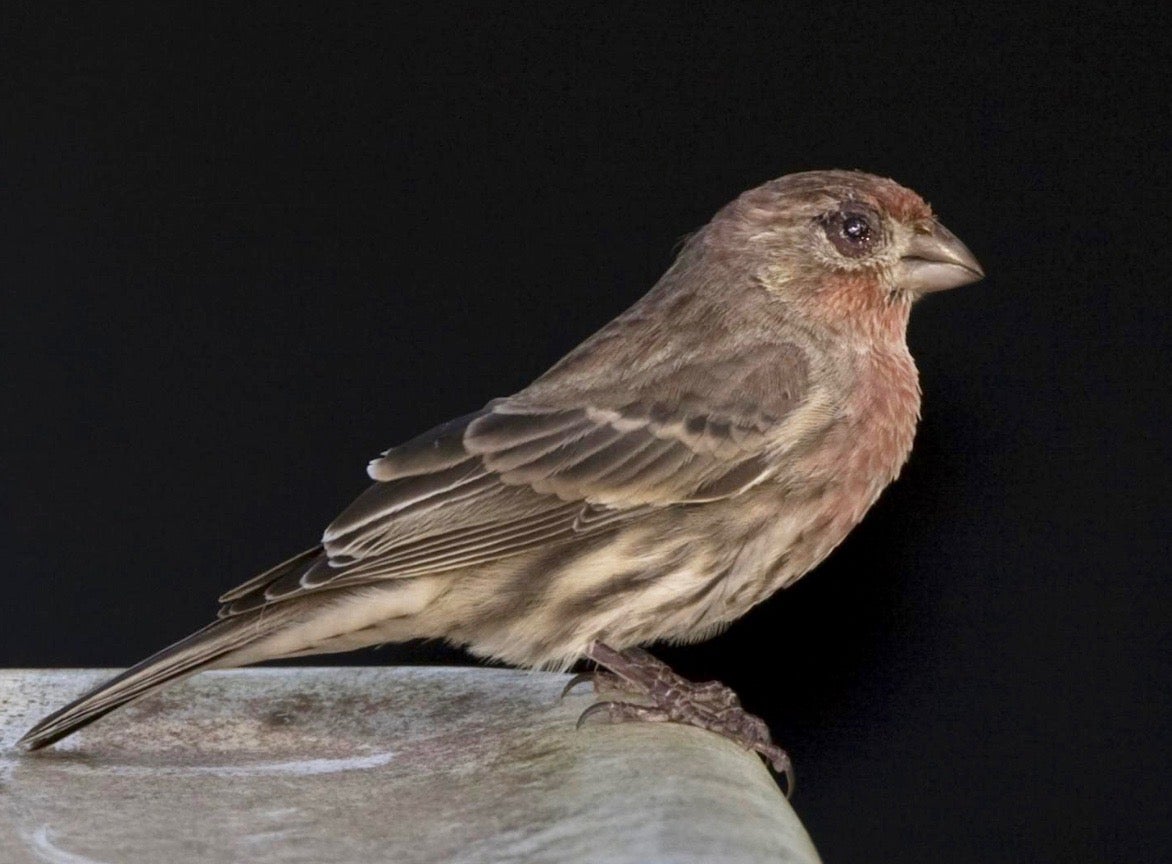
x=244, y=253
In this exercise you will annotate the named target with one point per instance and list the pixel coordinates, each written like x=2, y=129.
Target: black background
x=243, y=253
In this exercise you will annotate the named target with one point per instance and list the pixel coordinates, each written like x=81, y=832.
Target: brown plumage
x=707, y=447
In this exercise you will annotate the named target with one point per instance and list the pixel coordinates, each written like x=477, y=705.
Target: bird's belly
x=680, y=576
x=784, y=544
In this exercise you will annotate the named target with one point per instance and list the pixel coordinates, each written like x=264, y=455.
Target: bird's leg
x=634, y=679
x=667, y=697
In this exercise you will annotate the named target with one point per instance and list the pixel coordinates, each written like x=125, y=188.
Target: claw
x=580, y=678
x=709, y=705
x=596, y=708
x=622, y=712
x=779, y=761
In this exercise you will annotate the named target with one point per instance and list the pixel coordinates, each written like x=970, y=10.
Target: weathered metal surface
x=375, y=765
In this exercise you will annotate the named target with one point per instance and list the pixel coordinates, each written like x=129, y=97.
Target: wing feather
x=520, y=475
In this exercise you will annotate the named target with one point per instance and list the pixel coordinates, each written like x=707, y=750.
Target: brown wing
x=518, y=476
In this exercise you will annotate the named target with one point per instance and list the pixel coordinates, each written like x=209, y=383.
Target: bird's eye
x=854, y=233
x=856, y=228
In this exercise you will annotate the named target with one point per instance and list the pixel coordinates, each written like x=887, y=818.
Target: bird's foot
x=603, y=682
x=666, y=697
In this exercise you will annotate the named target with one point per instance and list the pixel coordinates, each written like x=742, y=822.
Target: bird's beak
x=936, y=260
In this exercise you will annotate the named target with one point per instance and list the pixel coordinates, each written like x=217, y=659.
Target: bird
x=703, y=450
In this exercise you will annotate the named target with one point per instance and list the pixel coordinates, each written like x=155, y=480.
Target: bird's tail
x=212, y=645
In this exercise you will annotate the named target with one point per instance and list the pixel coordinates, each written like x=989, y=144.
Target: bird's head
x=843, y=245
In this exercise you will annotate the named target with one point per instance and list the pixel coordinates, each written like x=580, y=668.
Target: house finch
x=707, y=447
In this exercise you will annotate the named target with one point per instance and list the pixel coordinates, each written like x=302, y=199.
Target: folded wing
x=517, y=476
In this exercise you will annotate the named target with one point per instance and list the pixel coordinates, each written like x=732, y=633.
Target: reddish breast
x=866, y=448
x=881, y=417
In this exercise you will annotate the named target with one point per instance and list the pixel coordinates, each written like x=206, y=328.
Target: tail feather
x=186, y=657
